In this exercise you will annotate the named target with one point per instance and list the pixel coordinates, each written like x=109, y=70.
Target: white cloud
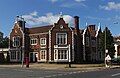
x=111, y=6
x=69, y=5
x=80, y=0
x=34, y=13
x=33, y=19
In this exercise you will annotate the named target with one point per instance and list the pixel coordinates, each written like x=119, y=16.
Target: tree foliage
x=109, y=42
x=4, y=43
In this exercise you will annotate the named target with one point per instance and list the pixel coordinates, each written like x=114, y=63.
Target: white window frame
x=57, y=38
x=44, y=41
x=31, y=41
x=55, y=54
x=15, y=57
x=15, y=44
x=63, y=55
x=43, y=58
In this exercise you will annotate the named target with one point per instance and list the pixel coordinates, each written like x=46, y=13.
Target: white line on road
x=116, y=74
x=22, y=70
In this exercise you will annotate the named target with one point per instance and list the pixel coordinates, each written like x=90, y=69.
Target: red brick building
x=91, y=41
x=52, y=43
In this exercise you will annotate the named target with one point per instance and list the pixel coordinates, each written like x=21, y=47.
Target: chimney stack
x=76, y=22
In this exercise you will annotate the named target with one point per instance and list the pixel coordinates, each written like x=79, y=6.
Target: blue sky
x=44, y=12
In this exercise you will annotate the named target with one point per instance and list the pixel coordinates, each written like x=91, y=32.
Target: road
x=7, y=72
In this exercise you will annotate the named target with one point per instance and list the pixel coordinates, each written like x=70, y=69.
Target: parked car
x=116, y=60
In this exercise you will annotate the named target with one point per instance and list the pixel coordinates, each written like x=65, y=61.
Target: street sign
x=108, y=57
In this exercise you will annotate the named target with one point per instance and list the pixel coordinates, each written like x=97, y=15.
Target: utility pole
x=105, y=47
x=23, y=42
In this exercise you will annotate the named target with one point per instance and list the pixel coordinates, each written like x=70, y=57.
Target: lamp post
x=23, y=43
x=18, y=18
x=106, y=51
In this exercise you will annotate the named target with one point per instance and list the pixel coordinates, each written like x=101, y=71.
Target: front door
x=33, y=57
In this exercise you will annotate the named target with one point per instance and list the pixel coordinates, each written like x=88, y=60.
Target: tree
x=4, y=43
x=109, y=42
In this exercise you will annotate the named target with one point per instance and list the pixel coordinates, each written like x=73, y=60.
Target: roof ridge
x=41, y=26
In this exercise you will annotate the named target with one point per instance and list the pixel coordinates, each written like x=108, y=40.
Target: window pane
x=33, y=41
x=16, y=41
x=58, y=54
x=65, y=54
x=62, y=54
x=61, y=38
x=43, y=41
x=43, y=56
x=13, y=55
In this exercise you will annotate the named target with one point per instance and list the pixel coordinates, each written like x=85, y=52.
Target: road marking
x=59, y=74
x=116, y=74
x=22, y=70
x=54, y=75
x=63, y=74
x=49, y=76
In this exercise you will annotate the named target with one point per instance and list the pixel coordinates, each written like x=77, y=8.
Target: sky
x=47, y=12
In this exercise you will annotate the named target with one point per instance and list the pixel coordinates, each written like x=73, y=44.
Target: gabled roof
x=40, y=29
x=80, y=30
x=98, y=30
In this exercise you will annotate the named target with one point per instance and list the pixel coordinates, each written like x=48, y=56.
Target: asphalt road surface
x=6, y=72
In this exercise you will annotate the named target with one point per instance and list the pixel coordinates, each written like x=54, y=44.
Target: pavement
x=44, y=70
x=62, y=66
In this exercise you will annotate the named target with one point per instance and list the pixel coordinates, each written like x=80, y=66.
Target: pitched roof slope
x=41, y=29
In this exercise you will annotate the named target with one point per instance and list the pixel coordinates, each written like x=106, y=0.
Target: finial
x=86, y=23
x=16, y=19
x=19, y=18
x=61, y=15
x=99, y=24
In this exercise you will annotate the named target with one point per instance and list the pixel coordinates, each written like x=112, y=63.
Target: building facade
x=54, y=43
x=117, y=46
x=91, y=41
